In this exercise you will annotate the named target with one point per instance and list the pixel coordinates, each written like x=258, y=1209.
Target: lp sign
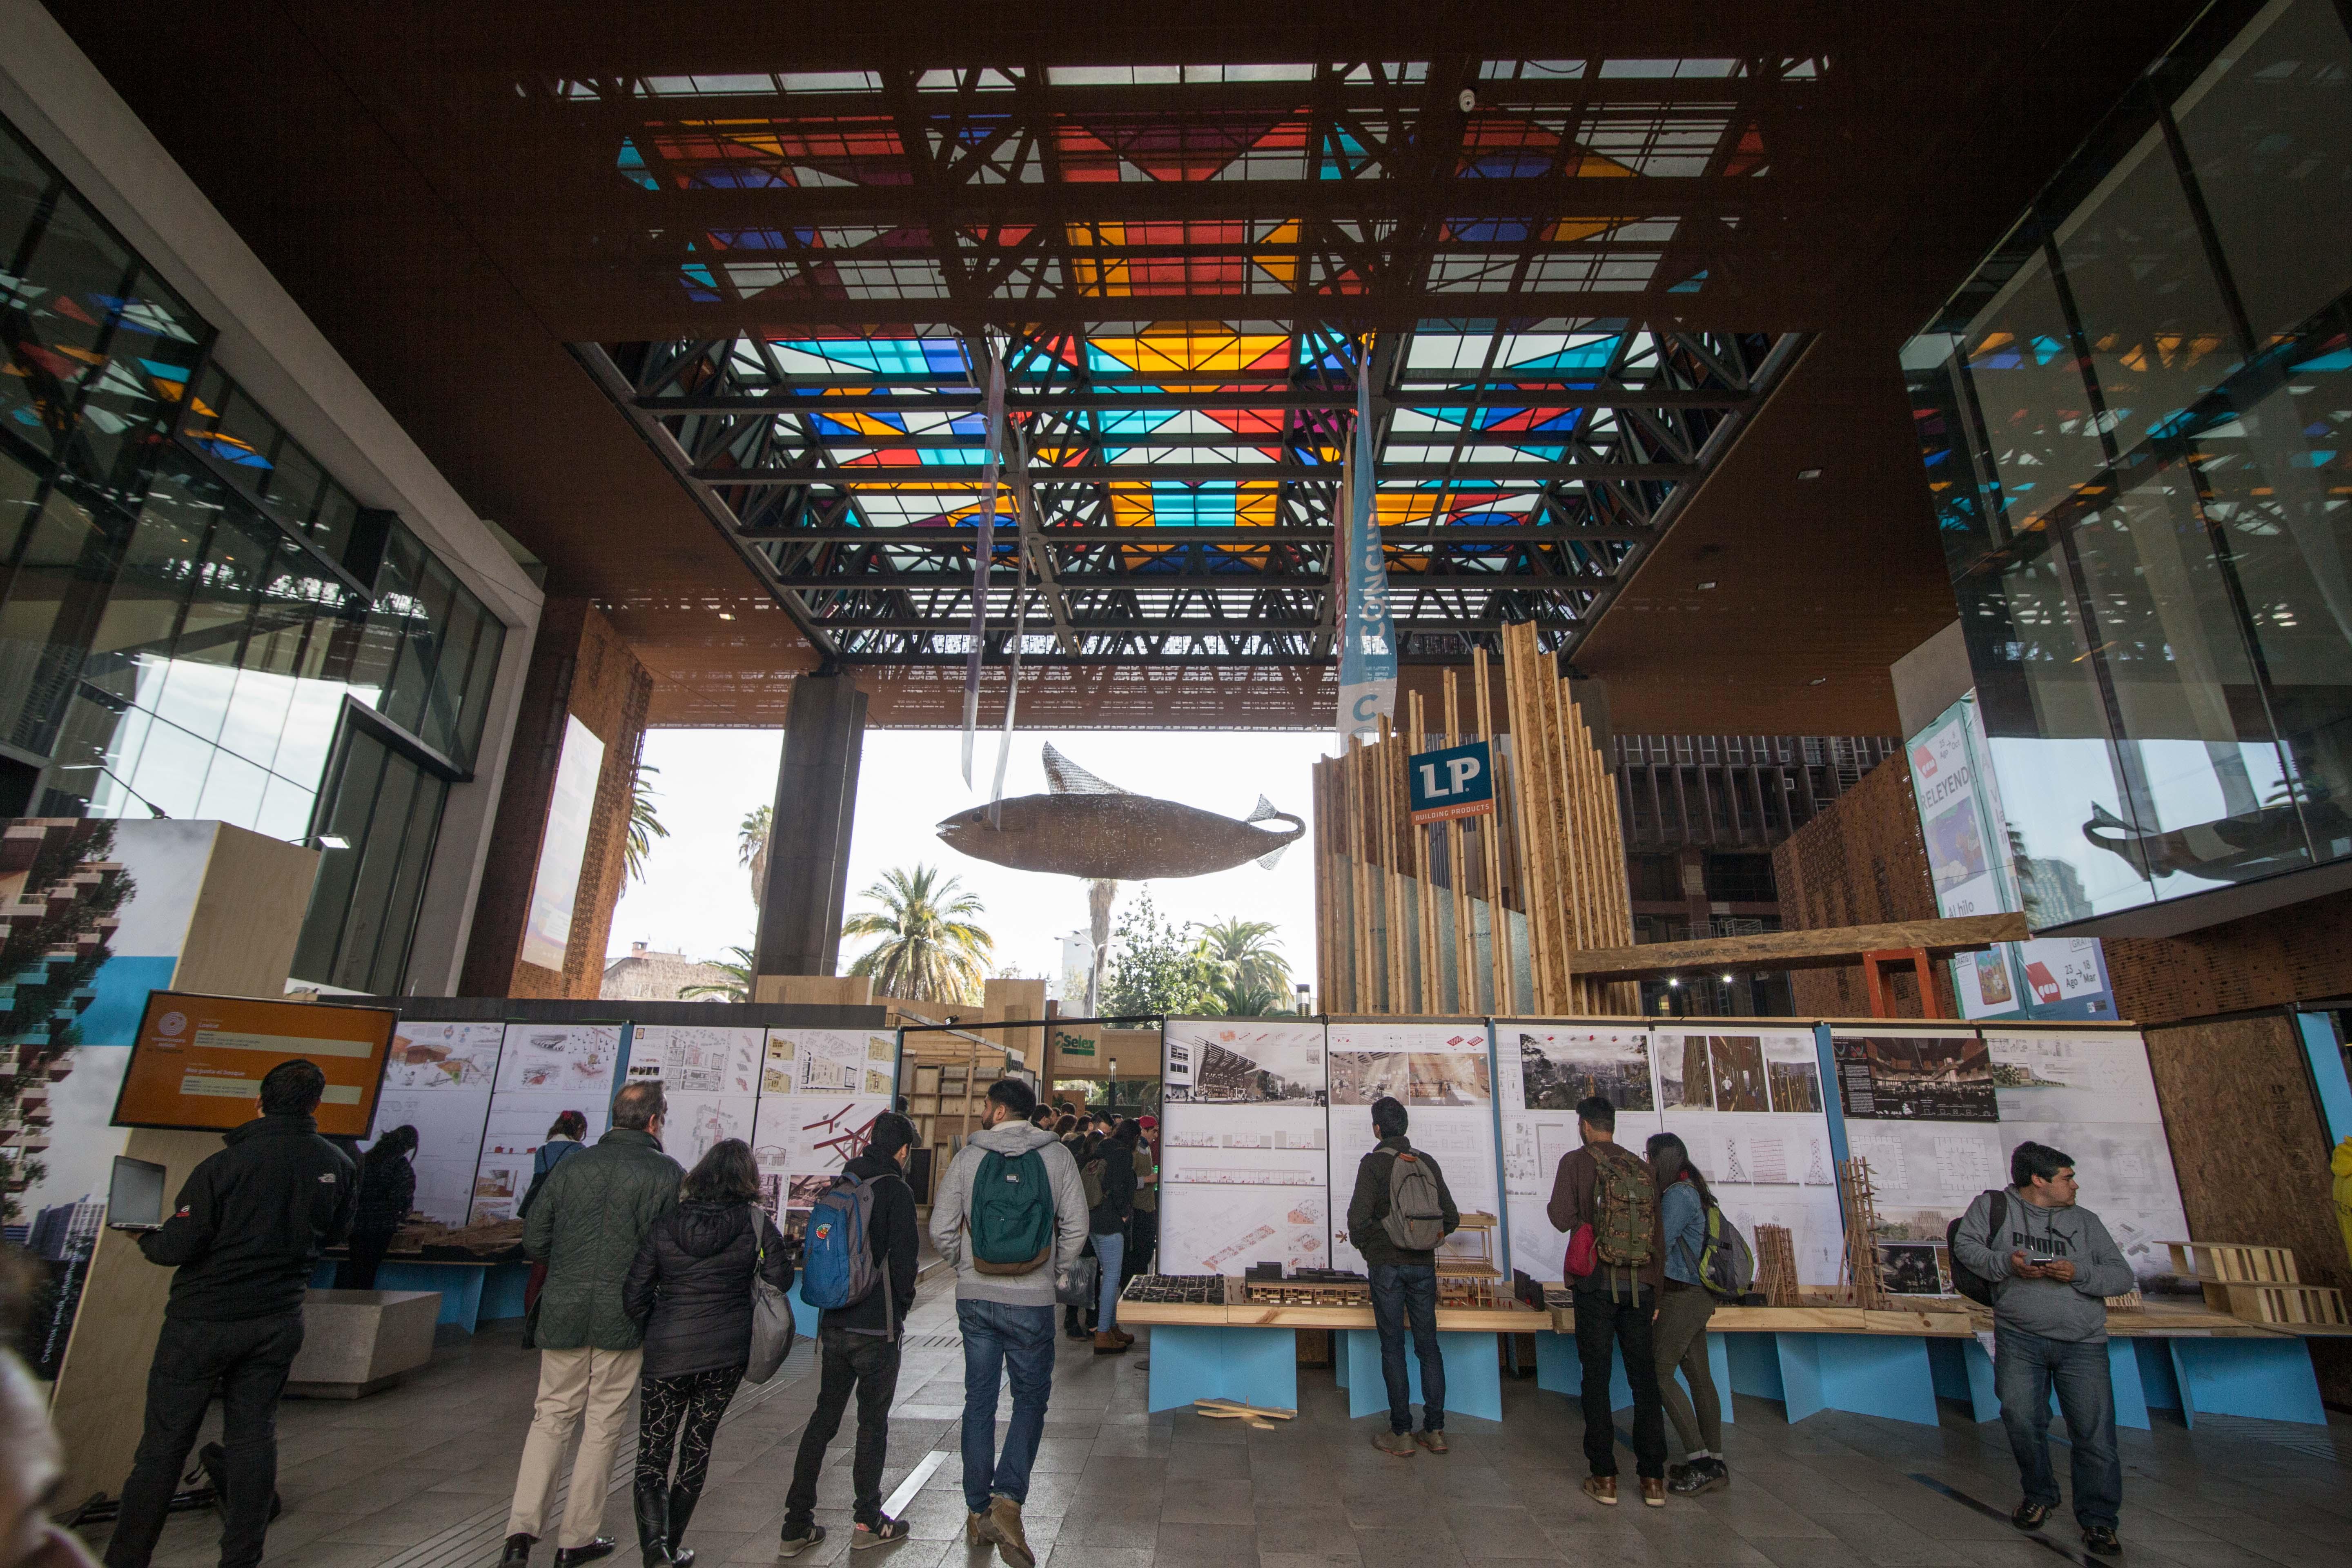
x=1456, y=782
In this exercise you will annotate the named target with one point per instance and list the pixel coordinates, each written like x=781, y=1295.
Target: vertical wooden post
x=1466, y=989
x=1498, y=920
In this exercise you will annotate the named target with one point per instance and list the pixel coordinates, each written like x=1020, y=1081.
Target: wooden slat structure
x=1835, y=948
x=1482, y=915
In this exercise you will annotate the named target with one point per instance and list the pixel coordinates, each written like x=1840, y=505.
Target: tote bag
x=774, y=1331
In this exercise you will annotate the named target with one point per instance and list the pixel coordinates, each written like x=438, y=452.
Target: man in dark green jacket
x=1404, y=1285
x=586, y=1226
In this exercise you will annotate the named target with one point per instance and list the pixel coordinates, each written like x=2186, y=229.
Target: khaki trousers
x=583, y=1390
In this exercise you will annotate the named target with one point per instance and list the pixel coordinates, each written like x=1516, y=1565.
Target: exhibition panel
x=1443, y=1071
x=1245, y=1145
x=439, y=1082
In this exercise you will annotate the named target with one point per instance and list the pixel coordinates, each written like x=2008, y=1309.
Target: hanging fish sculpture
x=1086, y=827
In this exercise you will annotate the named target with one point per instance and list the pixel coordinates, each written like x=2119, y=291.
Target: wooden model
x=1861, y=1203
x=1775, y=1266
x=2257, y=1284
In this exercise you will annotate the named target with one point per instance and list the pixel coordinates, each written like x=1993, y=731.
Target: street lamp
x=1110, y=1090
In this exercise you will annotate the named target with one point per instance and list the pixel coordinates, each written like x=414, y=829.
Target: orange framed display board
x=197, y=1062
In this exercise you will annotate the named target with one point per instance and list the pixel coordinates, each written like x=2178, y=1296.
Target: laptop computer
x=134, y=1197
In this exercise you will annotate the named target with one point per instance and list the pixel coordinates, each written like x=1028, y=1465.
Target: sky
x=695, y=899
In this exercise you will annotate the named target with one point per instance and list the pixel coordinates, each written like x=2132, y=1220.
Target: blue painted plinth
x=1963, y=1372
x=805, y=1316
x=1869, y=1374
x=460, y=1285
x=1560, y=1370
x=1474, y=1372
x=2269, y=1377
x=1256, y=1366
x=502, y=1287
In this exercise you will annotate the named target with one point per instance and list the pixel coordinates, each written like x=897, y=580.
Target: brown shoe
x=978, y=1531
x=1602, y=1489
x=1124, y=1337
x=1433, y=1441
x=1012, y=1542
x=1109, y=1345
x=1393, y=1442
x=1654, y=1491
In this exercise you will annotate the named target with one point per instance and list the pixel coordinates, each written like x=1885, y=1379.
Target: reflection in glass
x=2036, y=411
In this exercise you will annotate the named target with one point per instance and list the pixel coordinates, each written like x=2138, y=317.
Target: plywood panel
x=248, y=917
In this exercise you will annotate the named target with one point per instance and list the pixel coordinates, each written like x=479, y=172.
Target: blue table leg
x=2131, y=1396
x=1963, y=1372
x=805, y=1316
x=1474, y=1379
x=1755, y=1366
x=2159, y=1385
x=460, y=1285
x=1559, y=1370
x=1256, y=1366
x=1868, y=1375
x=502, y=1287
x=2268, y=1377
x=1719, y=1367
x=322, y=1278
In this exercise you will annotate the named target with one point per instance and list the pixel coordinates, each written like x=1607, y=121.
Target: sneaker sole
x=1603, y=1501
x=795, y=1548
x=868, y=1542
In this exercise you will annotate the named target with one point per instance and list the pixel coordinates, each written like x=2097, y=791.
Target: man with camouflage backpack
x=1399, y=1212
x=1605, y=1201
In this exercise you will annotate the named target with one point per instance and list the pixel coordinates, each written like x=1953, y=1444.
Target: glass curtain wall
x=2134, y=421
x=197, y=620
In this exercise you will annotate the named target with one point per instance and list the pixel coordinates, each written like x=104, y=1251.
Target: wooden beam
x=1837, y=947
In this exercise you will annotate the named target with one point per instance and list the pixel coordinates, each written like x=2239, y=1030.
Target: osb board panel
x=248, y=916
x=2301, y=952
x=2249, y=1149
x=1860, y=862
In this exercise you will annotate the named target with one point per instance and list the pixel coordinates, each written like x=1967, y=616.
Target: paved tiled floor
x=419, y=1478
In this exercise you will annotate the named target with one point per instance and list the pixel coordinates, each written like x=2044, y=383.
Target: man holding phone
x=2053, y=1266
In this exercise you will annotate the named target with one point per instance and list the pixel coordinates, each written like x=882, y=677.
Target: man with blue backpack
x=858, y=1268
x=1010, y=1214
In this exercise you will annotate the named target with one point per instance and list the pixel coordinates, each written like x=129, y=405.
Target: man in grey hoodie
x=1007, y=1318
x=2051, y=1264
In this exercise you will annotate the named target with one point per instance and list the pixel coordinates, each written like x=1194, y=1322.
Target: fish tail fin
x=1265, y=809
x=1266, y=861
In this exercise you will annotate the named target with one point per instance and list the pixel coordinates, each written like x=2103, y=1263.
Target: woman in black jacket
x=691, y=1286
x=387, y=1187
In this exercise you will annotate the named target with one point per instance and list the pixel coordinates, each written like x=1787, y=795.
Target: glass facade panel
x=190, y=605
x=2161, y=635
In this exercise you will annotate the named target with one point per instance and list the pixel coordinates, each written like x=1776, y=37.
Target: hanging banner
x=1974, y=873
x=984, y=555
x=1368, y=661
x=1025, y=518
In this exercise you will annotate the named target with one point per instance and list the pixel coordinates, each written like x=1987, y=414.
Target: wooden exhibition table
x=1894, y=1363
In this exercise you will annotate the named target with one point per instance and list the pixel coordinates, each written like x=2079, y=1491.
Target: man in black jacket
x=857, y=1347
x=1404, y=1285
x=246, y=1235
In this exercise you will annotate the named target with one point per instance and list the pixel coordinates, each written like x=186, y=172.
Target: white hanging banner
x=983, y=554
x=1368, y=661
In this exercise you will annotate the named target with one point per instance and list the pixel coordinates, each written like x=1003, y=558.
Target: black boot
x=652, y=1523
x=572, y=1556
x=681, y=1508
x=518, y=1552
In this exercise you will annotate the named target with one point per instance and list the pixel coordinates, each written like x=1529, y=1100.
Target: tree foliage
x=931, y=950
x=645, y=823
x=736, y=987
x=751, y=837
x=1156, y=969
x=1253, y=977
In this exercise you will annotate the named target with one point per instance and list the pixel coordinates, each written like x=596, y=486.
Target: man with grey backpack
x=1400, y=1213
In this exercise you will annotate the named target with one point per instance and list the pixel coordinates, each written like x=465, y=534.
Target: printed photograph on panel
x=1561, y=1069
x=1911, y=1269
x=1686, y=1077
x=1243, y=1066
x=1793, y=1069
x=1416, y=1078
x=1739, y=1061
x=1932, y=1078
x=442, y=1056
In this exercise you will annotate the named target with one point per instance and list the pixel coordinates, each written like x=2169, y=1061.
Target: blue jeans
x=1403, y=1293
x=2024, y=1369
x=1110, y=1250
x=1015, y=1343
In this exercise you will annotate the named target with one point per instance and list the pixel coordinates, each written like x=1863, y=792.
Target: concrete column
x=801, y=908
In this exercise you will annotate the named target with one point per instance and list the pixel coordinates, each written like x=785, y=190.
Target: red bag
x=1583, y=1254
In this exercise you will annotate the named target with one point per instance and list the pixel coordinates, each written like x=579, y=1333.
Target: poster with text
x=1443, y=1073
x=545, y=1070
x=831, y=1061
x=1245, y=1157
x=439, y=1079
x=1542, y=1071
x=709, y=1078
x=2092, y=1096
x=1748, y=1109
x=800, y=1142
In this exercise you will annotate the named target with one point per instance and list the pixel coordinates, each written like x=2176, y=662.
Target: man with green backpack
x=1604, y=1199
x=1010, y=1214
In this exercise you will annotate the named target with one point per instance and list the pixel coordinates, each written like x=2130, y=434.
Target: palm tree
x=1245, y=951
x=930, y=950
x=736, y=988
x=751, y=846
x=645, y=825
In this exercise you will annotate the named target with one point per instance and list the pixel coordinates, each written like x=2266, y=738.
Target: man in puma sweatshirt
x=2051, y=1264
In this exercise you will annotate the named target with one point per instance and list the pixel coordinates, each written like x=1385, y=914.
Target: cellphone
x=2038, y=1259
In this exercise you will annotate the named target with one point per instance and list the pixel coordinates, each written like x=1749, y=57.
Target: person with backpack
x=1109, y=1180
x=1011, y=1216
x=2046, y=1266
x=859, y=1271
x=1399, y=1212
x=387, y=1186
x=690, y=1286
x=1686, y=1214
x=1605, y=1201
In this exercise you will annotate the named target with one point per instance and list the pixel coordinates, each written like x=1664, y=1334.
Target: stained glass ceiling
x=1187, y=268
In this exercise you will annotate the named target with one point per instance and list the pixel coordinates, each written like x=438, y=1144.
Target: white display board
x=1541, y=1069
x=438, y=1079
x=1443, y=1074
x=820, y=1091
x=862, y=1062
x=544, y=1069
x=709, y=1078
x=1748, y=1107
x=1243, y=1146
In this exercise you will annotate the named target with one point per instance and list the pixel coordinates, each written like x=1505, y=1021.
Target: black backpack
x=1965, y=1279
